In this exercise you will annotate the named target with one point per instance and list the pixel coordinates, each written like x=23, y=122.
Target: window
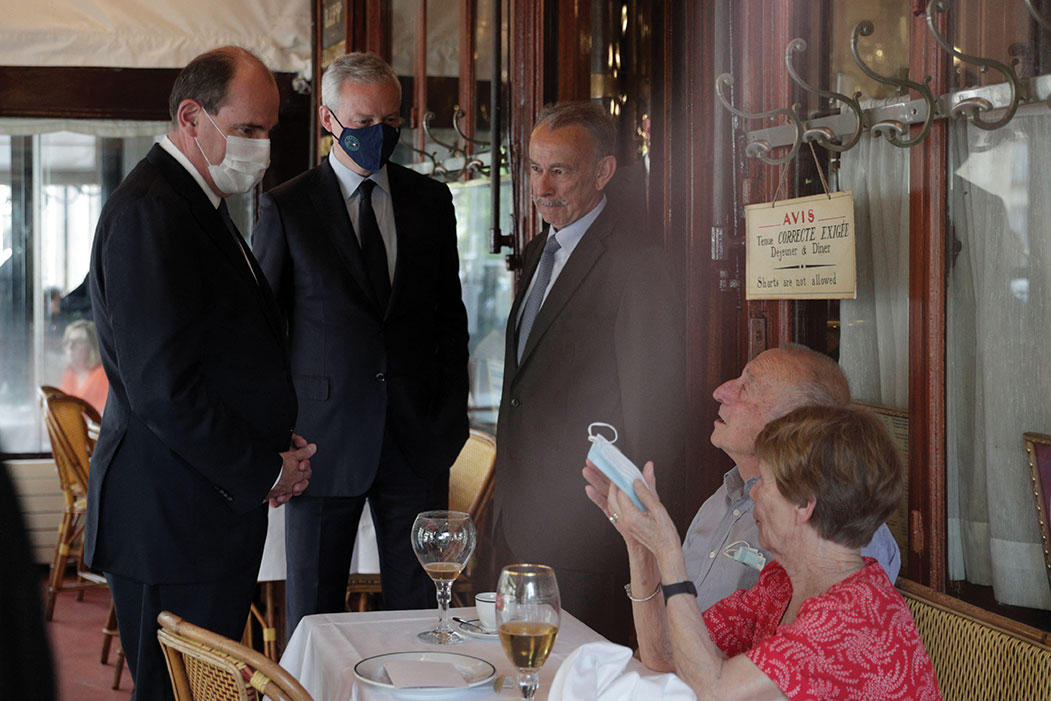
x=53, y=182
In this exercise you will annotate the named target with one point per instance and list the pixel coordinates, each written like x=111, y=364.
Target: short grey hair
x=820, y=380
x=588, y=115
x=358, y=66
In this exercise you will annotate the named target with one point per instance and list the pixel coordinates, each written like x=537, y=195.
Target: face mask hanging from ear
x=370, y=147
x=243, y=165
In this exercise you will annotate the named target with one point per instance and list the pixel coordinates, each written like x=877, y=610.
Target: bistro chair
x=205, y=666
x=72, y=426
x=67, y=419
x=470, y=490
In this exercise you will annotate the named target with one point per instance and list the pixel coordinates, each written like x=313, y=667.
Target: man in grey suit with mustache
x=595, y=334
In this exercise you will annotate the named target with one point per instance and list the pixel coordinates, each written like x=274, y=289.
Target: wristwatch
x=670, y=590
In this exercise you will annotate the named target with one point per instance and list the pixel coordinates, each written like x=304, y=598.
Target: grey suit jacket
x=606, y=346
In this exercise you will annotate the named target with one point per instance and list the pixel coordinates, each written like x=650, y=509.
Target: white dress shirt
x=382, y=205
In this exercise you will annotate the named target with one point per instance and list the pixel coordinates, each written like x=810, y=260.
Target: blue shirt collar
x=569, y=236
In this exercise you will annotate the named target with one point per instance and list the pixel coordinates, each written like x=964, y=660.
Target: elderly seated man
x=774, y=383
x=823, y=621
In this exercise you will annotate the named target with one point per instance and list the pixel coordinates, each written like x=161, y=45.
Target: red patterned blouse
x=855, y=641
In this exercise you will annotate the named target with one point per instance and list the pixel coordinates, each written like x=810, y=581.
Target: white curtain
x=874, y=328
x=149, y=34
x=998, y=365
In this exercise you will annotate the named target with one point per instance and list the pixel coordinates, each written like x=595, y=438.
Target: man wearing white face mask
x=198, y=431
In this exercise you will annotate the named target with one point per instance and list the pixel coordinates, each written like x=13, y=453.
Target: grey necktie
x=536, y=297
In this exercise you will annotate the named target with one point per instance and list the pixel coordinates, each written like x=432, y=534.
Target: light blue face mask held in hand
x=613, y=463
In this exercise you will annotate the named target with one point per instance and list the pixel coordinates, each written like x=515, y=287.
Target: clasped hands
x=295, y=471
x=652, y=529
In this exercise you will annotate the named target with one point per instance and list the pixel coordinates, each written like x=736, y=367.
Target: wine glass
x=443, y=542
x=527, y=615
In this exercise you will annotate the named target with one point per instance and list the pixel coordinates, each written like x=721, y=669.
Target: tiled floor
x=76, y=646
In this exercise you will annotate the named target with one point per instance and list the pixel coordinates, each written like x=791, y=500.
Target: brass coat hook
x=974, y=106
x=470, y=165
x=824, y=135
x=1037, y=16
x=893, y=129
x=760, y=149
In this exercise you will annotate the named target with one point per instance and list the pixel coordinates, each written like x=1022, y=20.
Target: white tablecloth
x=324, y=649
x=366, y=558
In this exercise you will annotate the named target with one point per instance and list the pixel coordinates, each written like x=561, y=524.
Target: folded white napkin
x=596, y=671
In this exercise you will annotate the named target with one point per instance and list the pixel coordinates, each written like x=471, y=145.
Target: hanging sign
x=801, y=248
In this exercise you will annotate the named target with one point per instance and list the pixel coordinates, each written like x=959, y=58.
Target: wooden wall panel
x=928, y=228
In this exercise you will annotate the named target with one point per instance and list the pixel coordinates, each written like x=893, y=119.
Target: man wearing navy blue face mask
x=361, y=254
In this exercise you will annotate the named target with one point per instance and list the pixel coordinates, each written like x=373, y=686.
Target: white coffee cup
x=485, y=606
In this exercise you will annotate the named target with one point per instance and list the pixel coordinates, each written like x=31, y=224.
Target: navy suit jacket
x=201, y=399
x=357, y=368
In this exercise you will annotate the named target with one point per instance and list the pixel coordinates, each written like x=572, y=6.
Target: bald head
x=807, y=378
x=206, y=79
x=770, y=386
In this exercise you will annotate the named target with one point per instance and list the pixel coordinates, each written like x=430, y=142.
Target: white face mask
x=243, y=165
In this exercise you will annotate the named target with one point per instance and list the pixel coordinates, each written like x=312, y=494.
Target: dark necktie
x=372, y=248
x=536, y=296
x=224, y=214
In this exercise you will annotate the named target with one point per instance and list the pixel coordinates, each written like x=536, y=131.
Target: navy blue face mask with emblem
x=370, y=147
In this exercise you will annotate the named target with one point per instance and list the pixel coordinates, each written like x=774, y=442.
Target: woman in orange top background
x=84, y=375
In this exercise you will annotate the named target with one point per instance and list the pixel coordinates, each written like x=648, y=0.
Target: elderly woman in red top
x=823, y=622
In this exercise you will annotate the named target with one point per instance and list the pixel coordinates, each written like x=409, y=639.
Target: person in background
x=198, y=430
x=823, y=621
x=594, y=335
x=25, y=665
x=84, y=376
x=773, y=384
x=362, y=257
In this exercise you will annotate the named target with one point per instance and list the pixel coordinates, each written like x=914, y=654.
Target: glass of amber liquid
x=443, y=542
x=527, y=615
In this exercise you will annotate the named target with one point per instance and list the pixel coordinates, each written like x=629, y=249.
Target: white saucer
x=478, y=632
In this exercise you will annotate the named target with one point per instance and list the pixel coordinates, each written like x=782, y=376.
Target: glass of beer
x=443, y=542
x=527, y=615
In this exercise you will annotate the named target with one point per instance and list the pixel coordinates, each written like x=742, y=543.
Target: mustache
x=550, y=203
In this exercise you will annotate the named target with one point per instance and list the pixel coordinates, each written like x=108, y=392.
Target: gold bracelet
x=627, y=590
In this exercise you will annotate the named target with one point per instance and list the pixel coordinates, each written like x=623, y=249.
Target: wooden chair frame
x=203, y=665
x=71, y=462
x=1038, y=453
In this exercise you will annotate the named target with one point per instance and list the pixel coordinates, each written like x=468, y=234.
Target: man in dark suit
x=198, y=426
x=362, y=257
x=594, y=335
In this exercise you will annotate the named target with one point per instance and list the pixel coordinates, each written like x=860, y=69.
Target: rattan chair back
x=978, y=654
x=471, y=476
x=205, y=666
x=68, y=420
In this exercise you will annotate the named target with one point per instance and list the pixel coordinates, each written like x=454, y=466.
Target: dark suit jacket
x=356, y=368
x=201, y=399
x=606, y=346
